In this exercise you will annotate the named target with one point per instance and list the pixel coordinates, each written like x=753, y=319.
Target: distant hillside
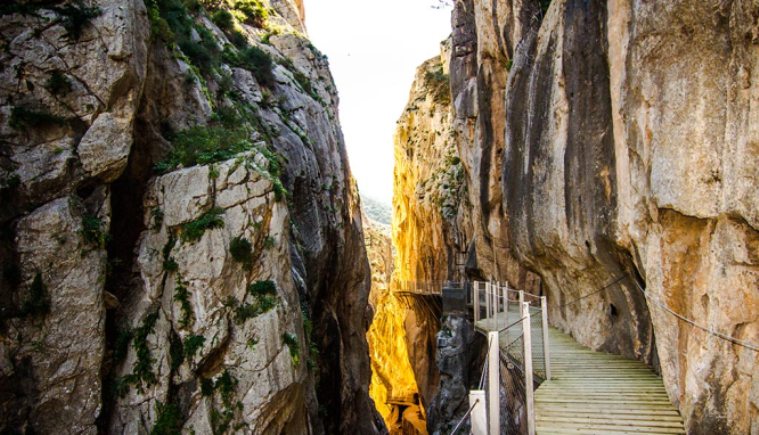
x=377, y=211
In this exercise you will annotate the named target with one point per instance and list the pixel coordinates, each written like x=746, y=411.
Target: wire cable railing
x=656, y=301
x=519, y=320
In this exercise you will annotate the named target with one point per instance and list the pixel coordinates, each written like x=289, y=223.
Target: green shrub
x=58, y=83
x=157, y=214
x=193, y=231
x=261, y=288
x=439, y=83
x=223, y=19
x=176, y=352
x=238, y=39
x=169, y=264
x=172, y=23
x=255, y=12
x=266, y=303
x=206, y=387
x=304, y=82
x=22, y=118
x=192, y=345
x=225, y=384
x=292, y=343
x=204, y=54
x=92, y=231
x=242, y=251
x=143, y=366
x=258, y=62
x=169, y=421
x=262, y=303
x=142, y=369
x=182, y=295
x=201, y=145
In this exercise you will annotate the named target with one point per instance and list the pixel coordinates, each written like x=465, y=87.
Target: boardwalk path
x=591, y=392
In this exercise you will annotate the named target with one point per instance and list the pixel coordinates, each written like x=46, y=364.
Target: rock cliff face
x=428, y=180
x=428, y=186
x=182, y=243
x=610, y=142
x=393, y=387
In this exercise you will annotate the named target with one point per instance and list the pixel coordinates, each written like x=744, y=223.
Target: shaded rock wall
x=459, y=358
x=182, y=243
x=483, y=40
x=610, y=142
x=628, y=144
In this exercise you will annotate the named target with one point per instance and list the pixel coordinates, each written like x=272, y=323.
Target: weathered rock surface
x=254, y=353
x=428, y=179
x=126, y=302
x=628, y=144
x=483, y=40
x=428, y=187
x=459, y=361
x=66, y=379
x=393, y=379
x=611, y=143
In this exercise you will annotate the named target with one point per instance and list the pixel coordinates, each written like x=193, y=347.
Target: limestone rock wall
x=393, y=387
x=182, y=243
x=610, y=143
x=641, y=146
x=428, y=187
x=428, y=180
x=483, y=40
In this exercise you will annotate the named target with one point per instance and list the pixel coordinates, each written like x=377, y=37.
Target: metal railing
x=423, y=287
x=519, y=321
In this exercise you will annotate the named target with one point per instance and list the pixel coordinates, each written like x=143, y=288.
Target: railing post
x=527, y=358
x=479, y=416
x=521, y=299
x=506, y=302
x=546, y=349
x=476, y=301
x=494, y=386
x=488, y=313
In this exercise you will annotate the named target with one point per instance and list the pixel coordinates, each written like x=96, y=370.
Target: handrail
x=737, y=341
x=458, y=425
x=532, y=308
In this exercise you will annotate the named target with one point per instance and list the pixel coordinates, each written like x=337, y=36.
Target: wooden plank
x=589, y=392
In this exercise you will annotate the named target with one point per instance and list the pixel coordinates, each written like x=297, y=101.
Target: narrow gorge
x=184, y=247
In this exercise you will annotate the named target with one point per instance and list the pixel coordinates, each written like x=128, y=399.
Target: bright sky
x=374, y=47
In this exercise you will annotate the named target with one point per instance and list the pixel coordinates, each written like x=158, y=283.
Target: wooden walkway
x=591, y=392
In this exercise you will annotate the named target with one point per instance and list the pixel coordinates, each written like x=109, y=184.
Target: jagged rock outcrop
x=182, y=243
x=611, y=143
x=459, y=360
